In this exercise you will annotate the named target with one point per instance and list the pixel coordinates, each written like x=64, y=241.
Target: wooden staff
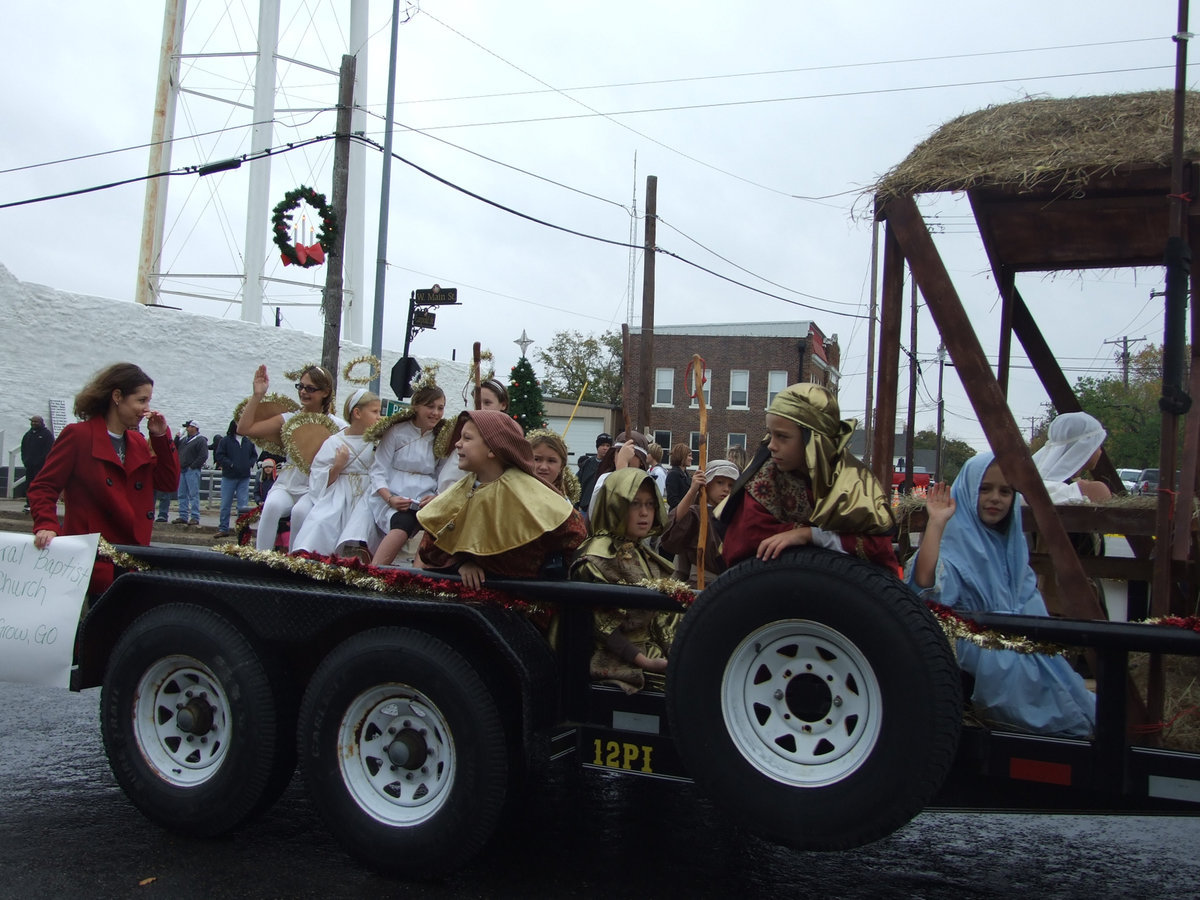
x=573, y=411
x=696, y=370
x=478, y=375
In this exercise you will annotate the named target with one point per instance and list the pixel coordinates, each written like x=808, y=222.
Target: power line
x=857, y=65
x=199, y=169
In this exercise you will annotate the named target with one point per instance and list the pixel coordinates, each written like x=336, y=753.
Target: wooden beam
x=983, y=390
x=891, y=311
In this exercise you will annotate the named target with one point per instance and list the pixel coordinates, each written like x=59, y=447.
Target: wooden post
x=331, y=302
x=646, y=369
x=906, y=486
x=890, y=314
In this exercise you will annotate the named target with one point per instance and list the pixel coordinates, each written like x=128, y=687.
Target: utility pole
x=331, y=302
x=941, y=417
x=909, y=482
x=385, y=194
x=1124, y=354
x=647, y=342
x=1033, y=420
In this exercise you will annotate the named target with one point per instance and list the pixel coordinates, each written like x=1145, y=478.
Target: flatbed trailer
x=815, y=699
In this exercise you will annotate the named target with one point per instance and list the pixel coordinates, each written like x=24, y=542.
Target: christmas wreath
x=299, y=254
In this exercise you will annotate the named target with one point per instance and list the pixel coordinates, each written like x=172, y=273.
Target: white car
x=1129, y=478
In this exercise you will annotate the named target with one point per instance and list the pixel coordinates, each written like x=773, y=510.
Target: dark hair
x=496, y=388
x=679, y=454
x=232, y=430
x=96, y=396
x=324, y=381
x=609, y=463
x=426, y=395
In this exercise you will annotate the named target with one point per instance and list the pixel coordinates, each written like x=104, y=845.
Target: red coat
x=102, y=495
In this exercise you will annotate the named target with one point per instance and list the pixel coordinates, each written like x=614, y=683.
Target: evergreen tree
x=525, y=396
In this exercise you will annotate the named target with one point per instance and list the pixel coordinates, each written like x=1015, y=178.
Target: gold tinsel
x=289, y=429
x=266, y=445
x=373, y=367
x=124, y=560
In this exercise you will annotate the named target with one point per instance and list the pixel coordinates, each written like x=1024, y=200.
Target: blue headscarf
x=984, y=568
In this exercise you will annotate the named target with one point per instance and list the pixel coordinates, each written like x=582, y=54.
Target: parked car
x=1147, y=482
x=1129, y=478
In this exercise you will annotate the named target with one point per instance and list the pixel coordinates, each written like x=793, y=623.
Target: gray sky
x=763, y=121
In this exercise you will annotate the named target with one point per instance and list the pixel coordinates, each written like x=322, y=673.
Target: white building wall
x=52, y=342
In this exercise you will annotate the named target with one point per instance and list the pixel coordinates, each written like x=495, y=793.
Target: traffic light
x=403, y=373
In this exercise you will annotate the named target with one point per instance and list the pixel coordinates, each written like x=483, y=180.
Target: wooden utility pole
x=331, y=302
x=869, y=412
x=647, y=343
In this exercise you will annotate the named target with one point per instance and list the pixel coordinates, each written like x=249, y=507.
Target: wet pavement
x=67, y=831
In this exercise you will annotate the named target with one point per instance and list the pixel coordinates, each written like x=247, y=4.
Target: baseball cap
x=603, y=438
x=718, y=467
x=190, y=423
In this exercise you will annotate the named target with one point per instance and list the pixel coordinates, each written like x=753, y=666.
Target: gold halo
x=373, y=368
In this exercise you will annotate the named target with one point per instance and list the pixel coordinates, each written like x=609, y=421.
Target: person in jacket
x=193, y=454
x=678, y=477
x=35, y=445
x=589, y=469
x=236, y=456
x=104, y=468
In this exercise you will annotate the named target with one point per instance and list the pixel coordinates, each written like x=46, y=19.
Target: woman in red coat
x=105, y=469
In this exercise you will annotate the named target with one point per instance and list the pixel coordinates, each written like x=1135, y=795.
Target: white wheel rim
x=801, y=703
x=397, y=754
x=181, y=721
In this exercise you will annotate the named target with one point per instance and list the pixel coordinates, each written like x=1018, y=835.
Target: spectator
x=654, y=455
x=678, y=479
x=103, y=467
x=235, y=458
x=589, y=468
x=35, y=445
x=193, y=454
x=266, y=476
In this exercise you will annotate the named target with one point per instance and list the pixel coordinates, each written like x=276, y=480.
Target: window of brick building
x=736, y=440
x=777, y=380
x=664, y=387
x=694, y=443
x=707, y=391
x=739, y=389
x=663, y=439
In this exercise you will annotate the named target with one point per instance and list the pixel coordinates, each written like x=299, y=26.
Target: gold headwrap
x=848, y=496
x=634, y=559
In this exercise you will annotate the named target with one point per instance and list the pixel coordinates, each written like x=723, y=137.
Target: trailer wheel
x=196, y=723
x=403, y=752
x=815, y=698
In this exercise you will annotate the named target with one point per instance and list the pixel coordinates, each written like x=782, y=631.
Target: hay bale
x=1181, y=698
x=1055, y=144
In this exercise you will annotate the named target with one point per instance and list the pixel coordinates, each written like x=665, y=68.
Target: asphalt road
x=67, y=831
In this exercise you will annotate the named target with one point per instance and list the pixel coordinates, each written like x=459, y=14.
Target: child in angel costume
x=632, y=645
x=499, y=518
x=339, y=479
x=404, y=476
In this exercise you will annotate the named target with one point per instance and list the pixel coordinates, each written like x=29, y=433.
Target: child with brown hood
x=500, y=518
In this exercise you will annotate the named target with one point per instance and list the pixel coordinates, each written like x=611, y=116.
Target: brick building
x=747, y=364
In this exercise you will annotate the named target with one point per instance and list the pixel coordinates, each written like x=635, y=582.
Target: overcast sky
x=763, y=121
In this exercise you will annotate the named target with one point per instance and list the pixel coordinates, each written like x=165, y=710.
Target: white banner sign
x=41, y=597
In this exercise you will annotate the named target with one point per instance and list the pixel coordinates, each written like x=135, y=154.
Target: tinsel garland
x=960, y=628
x=241, y=527
x=1189, y=623
x=427, y=378
x=266, y=445
x=356, y=573
x=295, y=374
x=373, y=366
x=124, y=560
x=295, y=457
x=677, y=590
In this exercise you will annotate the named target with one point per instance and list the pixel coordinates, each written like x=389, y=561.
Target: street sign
x=422, y=318
x=390, y=407
x=435, y=296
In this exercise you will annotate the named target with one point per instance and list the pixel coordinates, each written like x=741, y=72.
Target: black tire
x=403, y=752
x=815, y=698
x=198, y=725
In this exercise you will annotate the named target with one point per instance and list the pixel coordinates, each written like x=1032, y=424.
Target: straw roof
x=1045, y=144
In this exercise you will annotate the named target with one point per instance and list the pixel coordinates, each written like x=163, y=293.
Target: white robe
x=405, y=465
x=327, y=524
x=288, y=496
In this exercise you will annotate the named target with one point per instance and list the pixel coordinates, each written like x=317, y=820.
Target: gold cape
x=514, y=510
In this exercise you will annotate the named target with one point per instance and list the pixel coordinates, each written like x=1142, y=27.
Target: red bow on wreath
x=312, y=255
